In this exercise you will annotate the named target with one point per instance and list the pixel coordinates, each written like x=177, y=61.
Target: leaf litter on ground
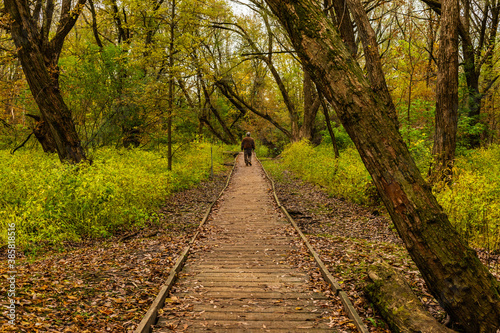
x=349, y=238
x=106, y=285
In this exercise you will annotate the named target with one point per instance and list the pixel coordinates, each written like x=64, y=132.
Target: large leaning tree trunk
x=372, y=57
x=452, y=271
x=445, y=130
x=39, y=56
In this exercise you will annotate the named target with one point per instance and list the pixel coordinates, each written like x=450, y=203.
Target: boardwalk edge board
x=150, y=317
x=346, y=302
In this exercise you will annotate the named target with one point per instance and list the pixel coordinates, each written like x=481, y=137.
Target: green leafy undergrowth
x=50, y=203
x=345, y=177
x=472, y=201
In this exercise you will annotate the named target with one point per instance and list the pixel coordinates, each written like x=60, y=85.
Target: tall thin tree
x=445, y=130
x=452, y=271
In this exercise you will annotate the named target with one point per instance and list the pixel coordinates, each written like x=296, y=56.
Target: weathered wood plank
x=252, y=324
x=244, y=294
x=239, y=279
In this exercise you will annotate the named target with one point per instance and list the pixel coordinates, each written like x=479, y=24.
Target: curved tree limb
x=22, y=144
x=242, y=106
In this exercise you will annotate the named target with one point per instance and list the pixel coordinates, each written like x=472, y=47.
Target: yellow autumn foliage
x=472, y=201
x=51, y=203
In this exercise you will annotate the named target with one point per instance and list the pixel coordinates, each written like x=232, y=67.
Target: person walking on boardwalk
x=248, y=145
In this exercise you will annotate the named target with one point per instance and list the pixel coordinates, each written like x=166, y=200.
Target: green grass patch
x=51, y=203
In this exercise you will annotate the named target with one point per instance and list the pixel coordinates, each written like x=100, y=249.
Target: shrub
x=345, y=177
x=341, y=137
x=472, y=201
x=52, y=202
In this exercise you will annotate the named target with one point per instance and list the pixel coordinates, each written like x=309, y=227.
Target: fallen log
x=397, y=303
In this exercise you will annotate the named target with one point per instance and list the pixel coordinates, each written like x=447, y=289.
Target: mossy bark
x=455, y=276
x=396, y=302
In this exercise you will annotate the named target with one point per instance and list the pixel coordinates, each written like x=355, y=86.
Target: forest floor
x=107, y=286
x=350, y=237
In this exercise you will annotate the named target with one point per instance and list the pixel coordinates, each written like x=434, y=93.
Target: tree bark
x=311, y=107
x=452, y=271
x=171, y=78
x=94, y=25
x=39, y=56
x=472, y=74
x=475, y=54
x=372, y=57
x=395, y=300
x=42, y=134
x=329, y=126
x=343, y=21
x=445, y=129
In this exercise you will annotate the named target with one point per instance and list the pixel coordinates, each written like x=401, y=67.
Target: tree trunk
x=42, y=134
x=395, y=300
x=329, y=126
x=490, y=76
x=243, y=106
x=445, y=130
x=39, y=58
x=343, y=21
x=474, y=96
x=232, y=139
x=452, y=271
x=372, y=57
x=311, y=107
x=204, y=120
x=170, y=111
x=475, y=54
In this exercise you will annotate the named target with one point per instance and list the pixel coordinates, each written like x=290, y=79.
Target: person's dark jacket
x=247, y=143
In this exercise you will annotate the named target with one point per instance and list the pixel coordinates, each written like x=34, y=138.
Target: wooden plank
x=213, y=253
x=263, y=277
x=152, y=313
x=250, y=316
x=236, y=265
x=262, y=308
x=236, y=270
x=288, y=284
x=251, y=324
x=348, y=307
x=237, y=288
x=201, y=328
x=244, y=294
x=240, y=279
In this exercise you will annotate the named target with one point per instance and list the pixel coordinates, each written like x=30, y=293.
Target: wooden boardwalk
x=238, y=278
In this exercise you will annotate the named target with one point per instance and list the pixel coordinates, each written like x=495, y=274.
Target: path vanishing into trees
x=238, y=277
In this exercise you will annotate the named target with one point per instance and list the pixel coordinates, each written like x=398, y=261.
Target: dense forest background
x=109, y=107
x=170, y=77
